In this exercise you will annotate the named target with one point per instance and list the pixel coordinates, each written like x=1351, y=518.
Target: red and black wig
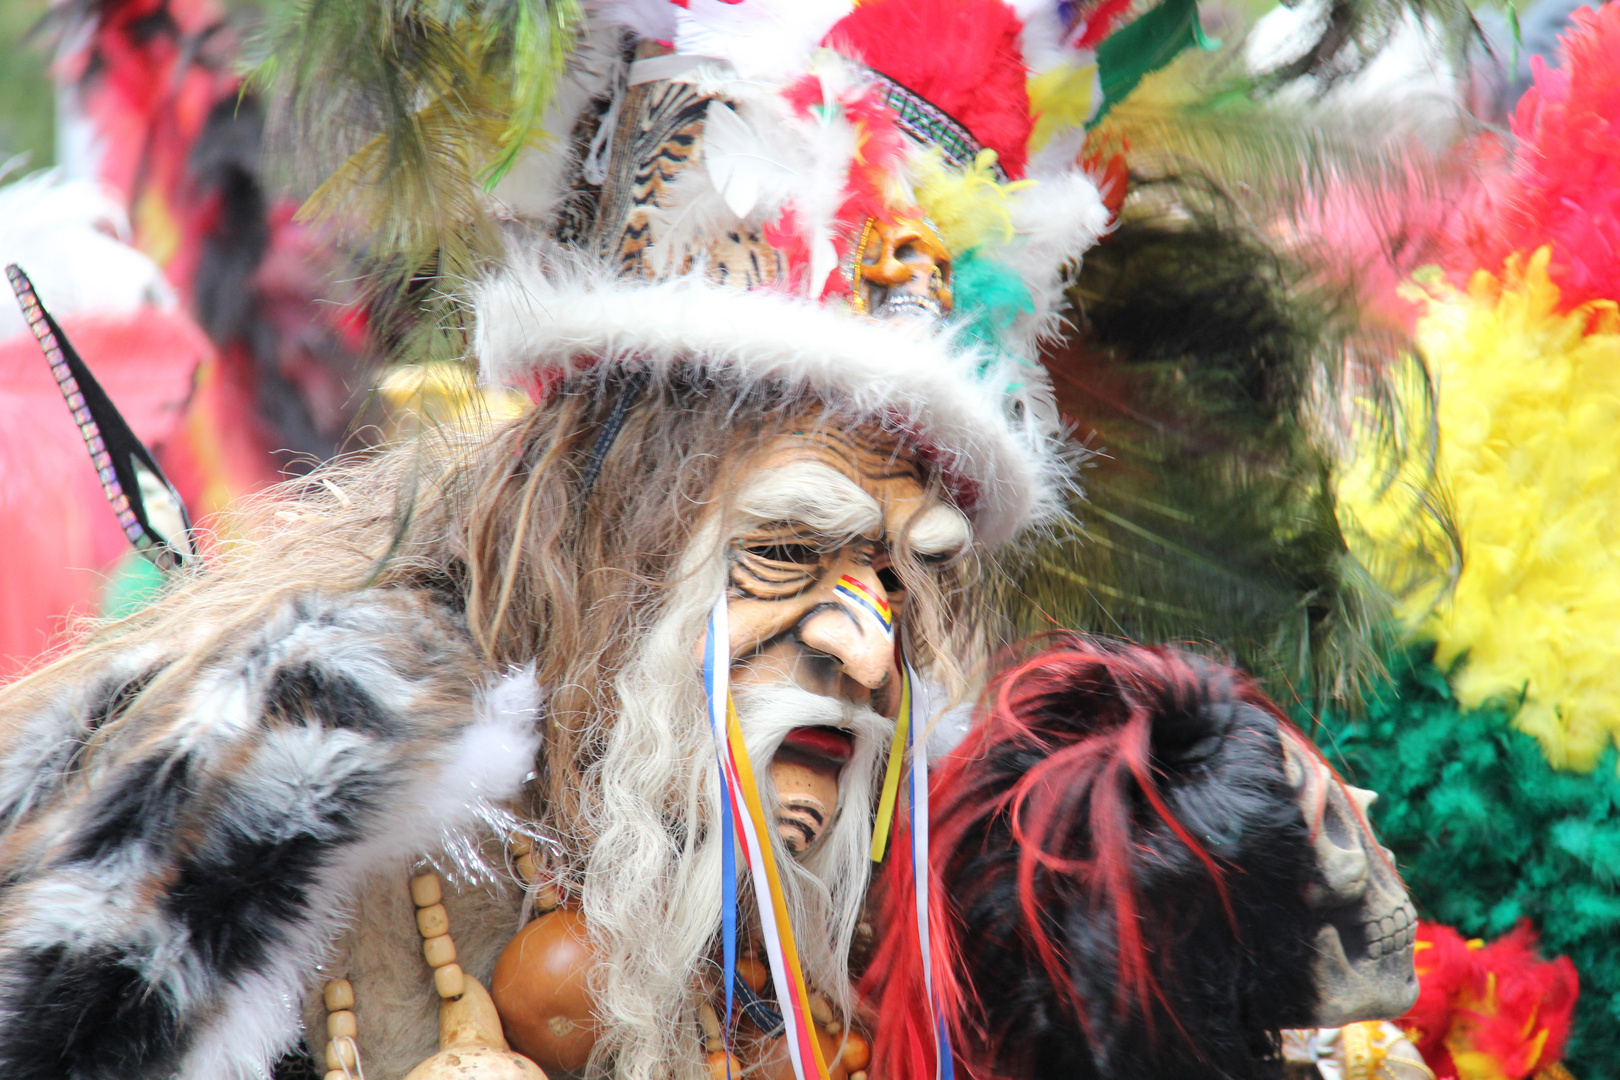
x=1119, y=874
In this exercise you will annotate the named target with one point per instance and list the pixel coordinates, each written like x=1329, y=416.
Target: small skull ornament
x=1364, y=951
x=902, y=271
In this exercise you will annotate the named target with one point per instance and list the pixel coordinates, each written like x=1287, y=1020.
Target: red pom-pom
x=1565, y=185
x=963, y=56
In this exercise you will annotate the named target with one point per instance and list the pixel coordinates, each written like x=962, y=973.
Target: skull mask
x=1363, y=968
x=902, y=270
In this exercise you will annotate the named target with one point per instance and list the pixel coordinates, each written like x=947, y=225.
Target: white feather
x=71, y=238
x=760, y=39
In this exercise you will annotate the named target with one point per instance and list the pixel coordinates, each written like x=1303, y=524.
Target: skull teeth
x=1392, y=933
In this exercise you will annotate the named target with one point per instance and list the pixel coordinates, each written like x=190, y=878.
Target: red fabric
x=62, y=537
x=961, y=55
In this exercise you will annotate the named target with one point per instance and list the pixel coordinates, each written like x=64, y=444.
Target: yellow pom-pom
x=968, y=206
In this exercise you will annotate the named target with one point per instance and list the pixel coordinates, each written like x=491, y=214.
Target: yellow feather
x=1062, y=98
x=1529, y=415
x=968, y=207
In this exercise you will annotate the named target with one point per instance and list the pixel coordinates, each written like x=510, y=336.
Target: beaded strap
x=342, y=1052
x=930, y=125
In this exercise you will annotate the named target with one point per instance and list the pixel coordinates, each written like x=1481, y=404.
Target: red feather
x=1565, y=186
x=1496, y=1010
x=963, y=56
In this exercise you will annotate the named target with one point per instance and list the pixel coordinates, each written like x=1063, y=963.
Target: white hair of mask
x=651, y=893
x=827, y=886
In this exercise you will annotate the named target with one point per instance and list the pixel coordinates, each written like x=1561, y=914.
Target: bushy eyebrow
x=811, y=495
x=939, y=530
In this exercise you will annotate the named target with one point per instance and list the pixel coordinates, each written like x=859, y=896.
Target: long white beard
x=652, y=892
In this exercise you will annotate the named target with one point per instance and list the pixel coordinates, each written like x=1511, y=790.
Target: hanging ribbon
x=903, y=749
x=742, y=804
x=742, y=812
x=944, y=1066
x=716, y=689
x=882, y=825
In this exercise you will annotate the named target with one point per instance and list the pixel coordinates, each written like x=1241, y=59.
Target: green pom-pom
x=987, y=297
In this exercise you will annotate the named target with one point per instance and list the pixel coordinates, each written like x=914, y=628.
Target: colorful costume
x=483, y=703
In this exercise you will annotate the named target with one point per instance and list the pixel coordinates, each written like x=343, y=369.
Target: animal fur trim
x=984, y=420
x=174, y=887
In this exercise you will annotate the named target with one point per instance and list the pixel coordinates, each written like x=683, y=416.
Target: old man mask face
x=815, y=604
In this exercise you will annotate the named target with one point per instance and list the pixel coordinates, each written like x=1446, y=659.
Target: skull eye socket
x=1337, y=822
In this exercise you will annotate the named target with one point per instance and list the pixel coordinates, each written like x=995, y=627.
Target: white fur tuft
x=484, y=765
x=1057, y=219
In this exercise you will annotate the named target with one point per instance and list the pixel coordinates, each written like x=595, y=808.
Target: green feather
x=404, y=112
x=1195, y=368
x=988, y=296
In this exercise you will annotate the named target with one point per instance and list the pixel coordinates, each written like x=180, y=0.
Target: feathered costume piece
x=1084, y=853
x=1196, y=367
x=1488, y=833
x=1523, y=346
x=1489, y=1012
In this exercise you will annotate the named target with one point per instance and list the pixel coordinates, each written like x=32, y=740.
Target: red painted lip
x=832, y=745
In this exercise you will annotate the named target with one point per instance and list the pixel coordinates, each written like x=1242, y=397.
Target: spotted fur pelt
x=175, y=875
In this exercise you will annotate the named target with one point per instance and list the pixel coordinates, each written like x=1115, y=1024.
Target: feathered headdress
x=838, y=198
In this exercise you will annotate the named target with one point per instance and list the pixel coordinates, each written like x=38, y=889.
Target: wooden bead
x=439, y=951
x=425, y=890
x=717, y=1066
x=520, y=845
x=341, y=1024
x=527, y=868
x=857, y=1053
x=339, y=995
x=449, y=981
x=832, y=1027
x=546, y=899
x=820, y=1008
x=339, y=1074
x=753, y=972
x=433, y=921
x=339, y=1054
x=859, y=1075
x=711, y=1028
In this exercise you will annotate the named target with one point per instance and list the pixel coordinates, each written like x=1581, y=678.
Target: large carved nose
x=852, y=631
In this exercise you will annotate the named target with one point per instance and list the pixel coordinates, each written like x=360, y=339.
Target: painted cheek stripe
x=863, y=599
